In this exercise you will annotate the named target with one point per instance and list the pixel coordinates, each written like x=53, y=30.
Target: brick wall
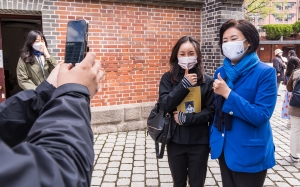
x=214, y=14
x=132, y=41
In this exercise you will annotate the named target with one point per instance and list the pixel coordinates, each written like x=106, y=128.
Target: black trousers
x=240, y=179
x=188, y=160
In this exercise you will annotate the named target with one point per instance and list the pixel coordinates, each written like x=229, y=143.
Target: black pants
x=188, y=160
x=240, y=179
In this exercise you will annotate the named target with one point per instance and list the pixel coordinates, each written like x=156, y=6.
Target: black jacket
x=195, y=129
x=59, y=141
x=279, y=66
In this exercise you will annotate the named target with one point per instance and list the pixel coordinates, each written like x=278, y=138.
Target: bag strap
x=162, y=150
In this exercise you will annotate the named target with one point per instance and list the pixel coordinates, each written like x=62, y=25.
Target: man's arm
x=59, y=147
x=19, y=112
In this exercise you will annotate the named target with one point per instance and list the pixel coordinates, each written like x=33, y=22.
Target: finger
x=100, y=75
x=89, y=59
x=219, y=77
x=175, y=112
x=65, y=67
x=186, y=71
x=96, y=66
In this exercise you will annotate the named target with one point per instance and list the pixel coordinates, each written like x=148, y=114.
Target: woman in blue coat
x=245, y=98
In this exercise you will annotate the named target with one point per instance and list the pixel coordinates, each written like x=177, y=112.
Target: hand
x=278, y=74
x=176, y=116
x=85, y=73
x=52, y=78
x=191, y=77
x=220, y=87
x=45, y=50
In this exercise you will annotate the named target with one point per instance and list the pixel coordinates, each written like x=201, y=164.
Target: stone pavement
x=128, y=159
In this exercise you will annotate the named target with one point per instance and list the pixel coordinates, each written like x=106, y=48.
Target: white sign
x=1, y=59
x=262, y=48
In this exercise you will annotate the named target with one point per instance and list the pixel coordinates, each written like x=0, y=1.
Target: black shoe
x=294, y=159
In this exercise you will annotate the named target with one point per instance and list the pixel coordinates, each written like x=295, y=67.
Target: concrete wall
x=120, y=118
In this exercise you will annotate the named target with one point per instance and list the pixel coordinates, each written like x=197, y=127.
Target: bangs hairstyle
x=27, y=50
x=175, y=68
x=246, y=28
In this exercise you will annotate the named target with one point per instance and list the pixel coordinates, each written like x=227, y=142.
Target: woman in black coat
x=188, y=151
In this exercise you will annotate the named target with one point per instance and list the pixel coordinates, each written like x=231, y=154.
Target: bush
x=296, y=27
x=275, y=31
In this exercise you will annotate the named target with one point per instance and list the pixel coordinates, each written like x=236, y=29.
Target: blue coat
x=248, y=146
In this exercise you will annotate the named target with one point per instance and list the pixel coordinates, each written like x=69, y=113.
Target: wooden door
x=2, y=80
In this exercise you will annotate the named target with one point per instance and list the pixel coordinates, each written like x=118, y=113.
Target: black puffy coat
x=55, y=123
x=195, y=129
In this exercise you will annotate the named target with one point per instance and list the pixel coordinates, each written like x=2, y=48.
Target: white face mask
x=187, y=62
x=234, y=50
x=37, y=46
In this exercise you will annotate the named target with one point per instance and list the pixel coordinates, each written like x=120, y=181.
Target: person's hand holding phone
x=85, y=73
x=52, y=78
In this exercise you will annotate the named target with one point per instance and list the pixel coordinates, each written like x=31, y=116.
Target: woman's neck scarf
x=37, y=53
x=233, y=73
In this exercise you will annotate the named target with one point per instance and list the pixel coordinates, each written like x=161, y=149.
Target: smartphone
x=76, y=41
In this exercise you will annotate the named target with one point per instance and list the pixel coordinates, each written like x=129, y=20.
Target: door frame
x=11, y=16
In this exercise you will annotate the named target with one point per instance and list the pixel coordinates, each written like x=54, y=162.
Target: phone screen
x=76, y=41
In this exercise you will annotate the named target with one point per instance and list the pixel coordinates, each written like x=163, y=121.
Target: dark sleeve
x=277, y=65
x=19, y=112
x=170, y=97
x=289, y=85
x=59, y=147
x=207, y=113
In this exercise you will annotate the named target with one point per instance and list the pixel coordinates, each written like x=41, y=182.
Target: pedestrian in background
x=279, y=65
x=189, y=148
x=35, y=63
x=292, y=64
x=294, y=113
x=291, y=53
x=245, y=98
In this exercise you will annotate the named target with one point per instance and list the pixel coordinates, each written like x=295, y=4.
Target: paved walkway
x=128, y=159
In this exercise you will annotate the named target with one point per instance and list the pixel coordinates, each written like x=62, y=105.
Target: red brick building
x=133, y=40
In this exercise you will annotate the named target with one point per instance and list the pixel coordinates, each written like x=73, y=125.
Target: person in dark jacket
x=278, y=64
x=55, y=123
x=188, y=150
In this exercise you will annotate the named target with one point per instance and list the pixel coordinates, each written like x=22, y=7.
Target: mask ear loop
x=247, y=47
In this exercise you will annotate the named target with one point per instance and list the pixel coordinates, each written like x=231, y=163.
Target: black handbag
x=159, y=125
x=295, y=99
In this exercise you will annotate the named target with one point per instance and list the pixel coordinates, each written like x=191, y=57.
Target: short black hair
x=246, y=28
x=292, y=53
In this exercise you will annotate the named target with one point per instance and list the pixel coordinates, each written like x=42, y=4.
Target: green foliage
x=296, y=27
x=275, y=31
x=258, y=7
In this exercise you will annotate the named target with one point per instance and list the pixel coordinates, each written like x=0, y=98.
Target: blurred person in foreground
x=54, y=120
x=245, y=97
